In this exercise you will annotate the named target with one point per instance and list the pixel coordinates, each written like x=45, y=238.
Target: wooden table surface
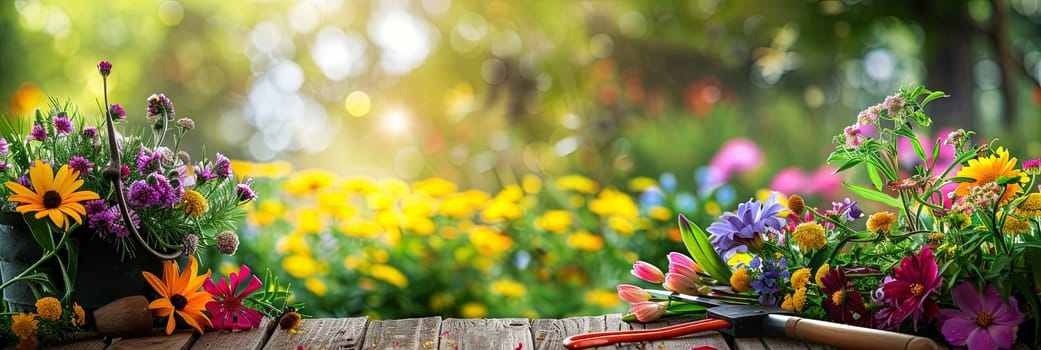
x=435, y=333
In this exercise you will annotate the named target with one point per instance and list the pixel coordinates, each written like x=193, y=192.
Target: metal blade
x=685, y=298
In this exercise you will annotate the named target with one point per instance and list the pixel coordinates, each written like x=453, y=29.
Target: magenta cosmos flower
x=226, y=307
x=906, y=292
x=983, y=321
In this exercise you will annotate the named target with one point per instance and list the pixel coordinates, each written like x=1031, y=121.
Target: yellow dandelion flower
x=612, y=202
x=52, y=195
x=300, y=265
x=489, y=242
x=605, y=298
x=508, y=288
x=49, y=308
x=881, y=222
x=821, y=272
x=740, y=280
x=420, y=225
x=379, y=201
x=641, y=183
x=316, y=286
x=418, y=205
x=500, y=210
x=357, y=184
x=1030, y=206
x=531, y=184
x=309, y=220
x=988, y=169
x=360, y=228
x=394, y=187
x=800, y=278
x=473, y=310
x=583, y=240
x=660, y=213
x=621, y=225
x=556, y=221
x=193, y=203
x=434, y=187
x=577, y=183
x=389, y=274
x=809, y=236
x=309, y=181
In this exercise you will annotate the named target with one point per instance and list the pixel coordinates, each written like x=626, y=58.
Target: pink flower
x=735, y=156
x=683, y=276
x=789, y=180
x=226, y=308
x=983, y=321
x=906, y=292
x=632, y=294
x=679, y=263
x=647, y=311
x=647, y=272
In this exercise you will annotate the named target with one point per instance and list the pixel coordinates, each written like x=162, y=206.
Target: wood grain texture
x=413, y=333
x=322, y=333
x=491, y=334
x=89, y=344
x=784, y=344
x=748, y=344
x=549, y=334
x=179, y=340
x=687, y=342
x=253, y=339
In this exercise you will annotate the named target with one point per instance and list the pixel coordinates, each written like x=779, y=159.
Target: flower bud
x=105, y=68
x=647, y=272
x=191, y=244
x=186, y=124
x=116, y=112
x=647, y=311
x=227, y=242
x=632, y=294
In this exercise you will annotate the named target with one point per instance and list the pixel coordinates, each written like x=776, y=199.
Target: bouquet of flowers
x=74, y=185
x=948, y=254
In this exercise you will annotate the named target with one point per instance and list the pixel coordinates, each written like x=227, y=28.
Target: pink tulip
x=632, y=294
x=646, y=311
x=648, y=272
x=678, y=261
x=684, y=284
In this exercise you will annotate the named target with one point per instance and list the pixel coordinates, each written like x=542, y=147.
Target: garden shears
x=757, y=321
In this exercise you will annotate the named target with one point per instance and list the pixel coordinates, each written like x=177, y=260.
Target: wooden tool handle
x=850, y=337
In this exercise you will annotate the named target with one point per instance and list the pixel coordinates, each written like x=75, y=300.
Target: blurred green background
x=484, y=93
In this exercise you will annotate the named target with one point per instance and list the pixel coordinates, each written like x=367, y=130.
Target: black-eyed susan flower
x=180, y=295
x=53, y=196
x=49, y=308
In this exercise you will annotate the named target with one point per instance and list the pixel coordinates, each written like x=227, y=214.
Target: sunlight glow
x=396, y=121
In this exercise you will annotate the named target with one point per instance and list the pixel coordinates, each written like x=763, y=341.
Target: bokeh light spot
x=395, y=121
x=171, y=13
x=358, y=103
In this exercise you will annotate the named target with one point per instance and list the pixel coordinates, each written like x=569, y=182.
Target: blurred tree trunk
x=949, y=61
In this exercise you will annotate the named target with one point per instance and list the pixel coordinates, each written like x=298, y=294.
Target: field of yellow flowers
x=385, y=248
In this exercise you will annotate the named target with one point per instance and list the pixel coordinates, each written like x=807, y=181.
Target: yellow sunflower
x=181, y=295
x=989, y=169
x=52, y=196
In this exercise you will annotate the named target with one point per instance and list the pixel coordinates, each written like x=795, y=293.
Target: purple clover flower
x=99, y=218
x=115, y=111
x=222, y=166
x=38, y=133
x=245, y=192
x=89, y=132
x=118, y=226
x=104, y=67
x=142, y=195
x=62, y=126
x=149, y=162
x=158, y=104
x=167, y=194
x=204, y=173
x=80, y=164
x=5, y=147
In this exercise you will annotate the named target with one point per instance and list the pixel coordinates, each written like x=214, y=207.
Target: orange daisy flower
x=53, y=196
x=180, y=295
x=989, y=169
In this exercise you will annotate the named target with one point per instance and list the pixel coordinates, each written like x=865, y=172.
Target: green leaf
x=686, y=307
x=936, y=150
x=41, y=231
x=700, y=248
x=933, y=96
x=876, y=179
x=849, y=164
x=961, y=179
x=921, y=118
x=873, y=195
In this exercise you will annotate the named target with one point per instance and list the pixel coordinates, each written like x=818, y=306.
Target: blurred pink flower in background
x=736, y=156
x=793, y=180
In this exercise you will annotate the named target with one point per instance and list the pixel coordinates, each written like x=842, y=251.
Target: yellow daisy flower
x=988, y=169
x=53, y=196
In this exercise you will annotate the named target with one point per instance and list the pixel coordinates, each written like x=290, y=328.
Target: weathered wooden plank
x=180, y=340
x=85, y=344
x=687, y=342
x=322, y=333
x=506, y=334
x=747, y=343
x=781, y=343
x=413, y=333
x=253, y=339
x=549, y=334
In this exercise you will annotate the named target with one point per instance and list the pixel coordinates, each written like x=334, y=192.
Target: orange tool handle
x=589, y=340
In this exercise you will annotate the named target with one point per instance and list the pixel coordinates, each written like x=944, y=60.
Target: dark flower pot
x=101, y=278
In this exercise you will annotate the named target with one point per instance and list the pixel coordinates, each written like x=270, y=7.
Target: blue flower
x=771, y=279
x=734, y=232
